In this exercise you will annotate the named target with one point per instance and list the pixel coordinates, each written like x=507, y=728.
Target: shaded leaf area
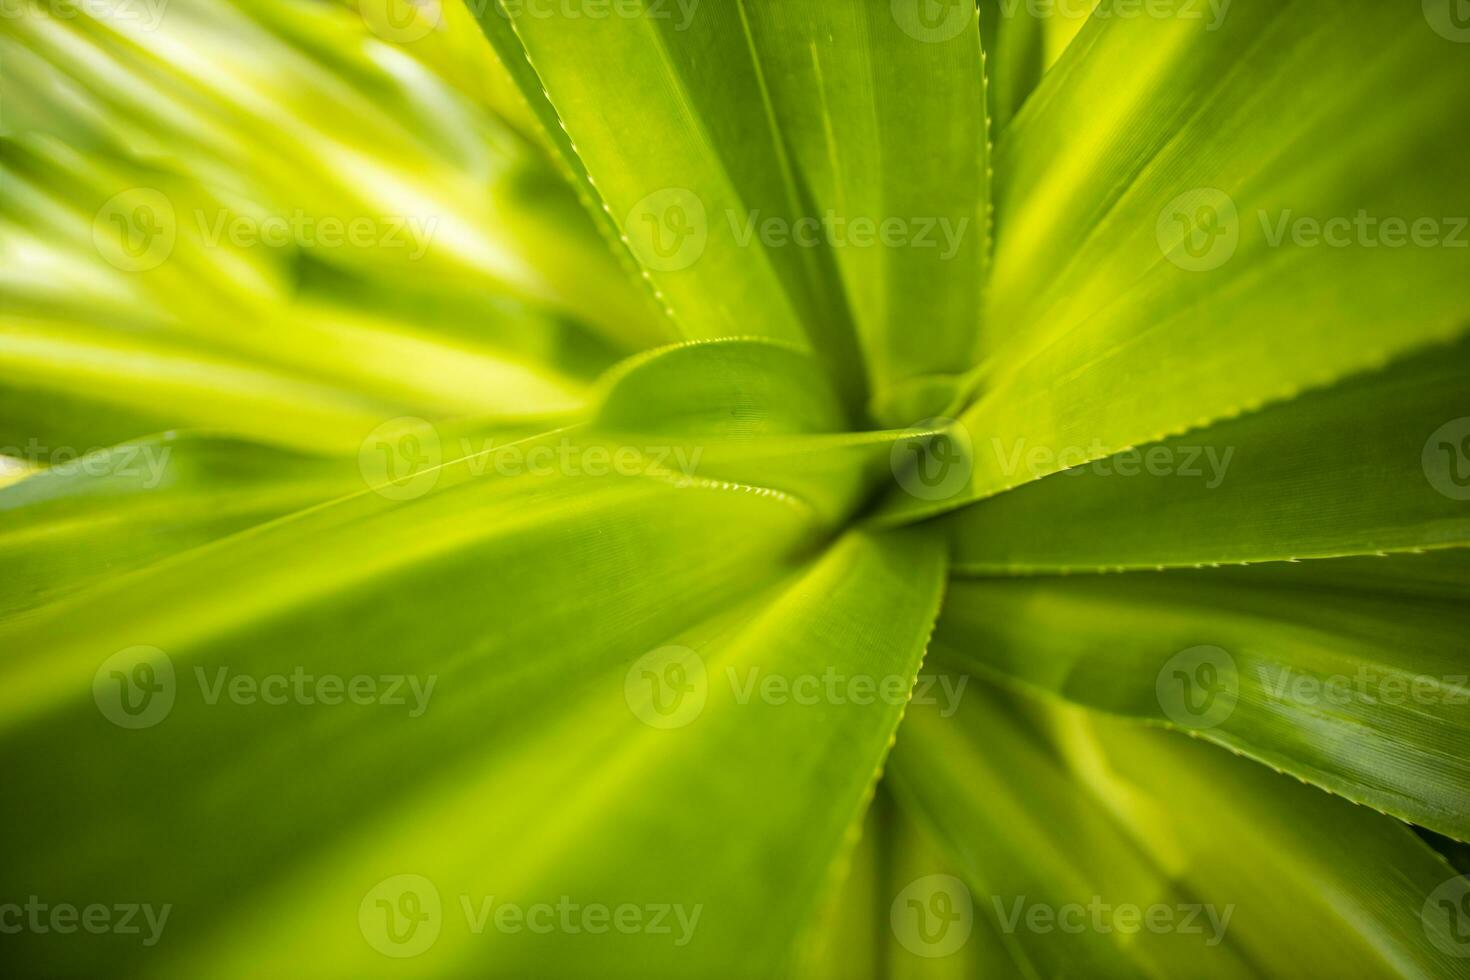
x=874, y=927
x=1023, y=40
x=1350, y=674
x=1373, y=465
x=223, y=808
x=1096, y=847
x=886, y=122
x=773, y=169
x=1173, y=247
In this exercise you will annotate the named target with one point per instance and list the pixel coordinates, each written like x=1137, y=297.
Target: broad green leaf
x=1193, y=253
x=1099, y=848
x=691, y=165
x=1372, y=465
x=1364, y=691
x=84, y=520
x=884, y=114
x=500, y=751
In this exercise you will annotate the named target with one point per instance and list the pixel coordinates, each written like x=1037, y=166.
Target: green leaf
x=884, y=115
x=1312, y=668
x=1365, y=467
x=500, y=751
x=1023, y=39
x=1164, y=272
x=744, y=410
x=1098, y=848
x=81, y=521
x=688, y=173
x=731, y=388
x=871, y=929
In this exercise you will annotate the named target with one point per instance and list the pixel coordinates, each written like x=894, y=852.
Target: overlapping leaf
x=1350, y=674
